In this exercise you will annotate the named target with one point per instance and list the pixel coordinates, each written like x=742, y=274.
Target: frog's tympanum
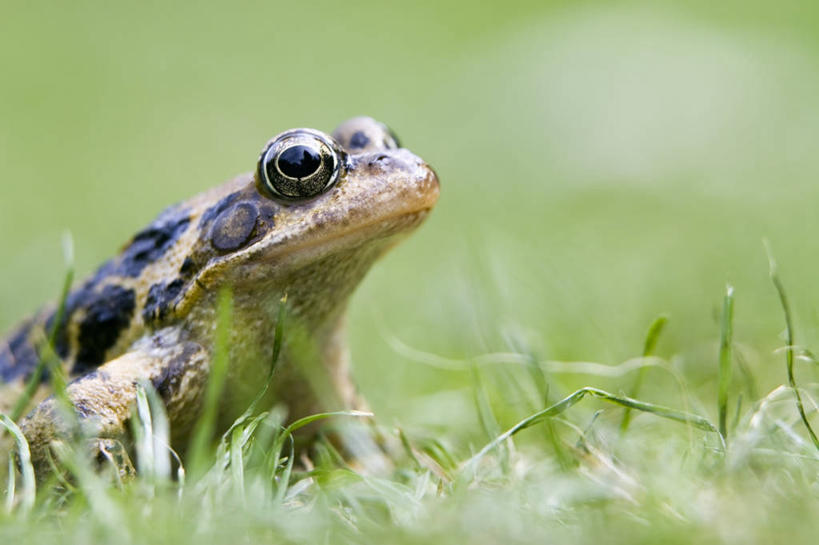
x=308, y=223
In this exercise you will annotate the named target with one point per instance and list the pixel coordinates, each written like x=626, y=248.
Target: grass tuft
x=561, y=406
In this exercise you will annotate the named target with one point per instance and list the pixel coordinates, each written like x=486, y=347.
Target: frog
x=304, y=227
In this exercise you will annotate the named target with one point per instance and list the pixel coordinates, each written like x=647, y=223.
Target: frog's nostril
x=380, y=158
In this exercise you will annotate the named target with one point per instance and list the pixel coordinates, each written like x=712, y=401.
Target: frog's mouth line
x=385, y=228
x=292, y=255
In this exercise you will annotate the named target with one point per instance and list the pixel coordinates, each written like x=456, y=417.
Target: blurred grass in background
x=601, y=163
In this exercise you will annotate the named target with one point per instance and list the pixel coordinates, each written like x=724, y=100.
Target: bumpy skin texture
x=149, y=314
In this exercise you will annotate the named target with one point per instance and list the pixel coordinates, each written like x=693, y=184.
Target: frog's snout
x=429, y=184
x=410, y=180
x=422, y=176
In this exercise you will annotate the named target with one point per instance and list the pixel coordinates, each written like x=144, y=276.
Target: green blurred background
x=601, y=163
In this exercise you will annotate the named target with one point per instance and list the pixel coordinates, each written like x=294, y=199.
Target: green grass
x=602, y=165
x=672, y=471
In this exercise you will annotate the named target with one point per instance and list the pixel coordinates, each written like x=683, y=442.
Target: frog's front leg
x=103, y=399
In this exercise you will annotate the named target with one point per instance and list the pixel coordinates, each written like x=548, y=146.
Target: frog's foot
x=103, y=400
x=103, y=455
x=111, y=453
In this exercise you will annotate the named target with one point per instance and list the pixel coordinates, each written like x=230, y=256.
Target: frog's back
x=126, y=296
x=100, y=316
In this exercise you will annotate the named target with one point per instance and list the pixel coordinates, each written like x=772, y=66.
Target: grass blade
x=284, y=477
x=485, y=415
x=725, y=359
x=652, y=336
x=301, y=422
x=151, y=435
x=29, y=485
x=237, y=466
x=789, y=339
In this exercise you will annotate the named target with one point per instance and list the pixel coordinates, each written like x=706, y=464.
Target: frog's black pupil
x=299, y=161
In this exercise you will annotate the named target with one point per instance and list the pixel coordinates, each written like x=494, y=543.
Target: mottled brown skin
x=150, y=313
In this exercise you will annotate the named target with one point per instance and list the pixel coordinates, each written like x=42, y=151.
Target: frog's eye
x=299, y=164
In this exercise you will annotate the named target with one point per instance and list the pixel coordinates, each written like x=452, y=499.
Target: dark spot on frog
x=19, y=357
x=267, y=213
x=107, y=313
x=234, y=227
x=60, y=337
x=82, y=298
x=359, y=140
x=167, y=382
x=211, y=213
x=82, y=409
x=188, y=267
x=148, y=245
x=159, y=300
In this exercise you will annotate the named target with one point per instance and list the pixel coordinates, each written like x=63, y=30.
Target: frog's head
x=316, y=213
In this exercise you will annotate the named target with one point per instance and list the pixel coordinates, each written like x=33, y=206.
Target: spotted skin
x=160, y=300
x=150, y=244
x=106, y=315
x=99, y=312
x=111, y=308
x=149, y=314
